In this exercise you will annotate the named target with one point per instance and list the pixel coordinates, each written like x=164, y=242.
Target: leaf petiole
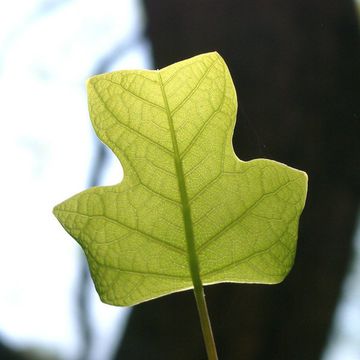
x=205, y=323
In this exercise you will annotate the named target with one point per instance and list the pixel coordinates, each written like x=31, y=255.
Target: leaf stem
x=190, y=239
x=205, y=323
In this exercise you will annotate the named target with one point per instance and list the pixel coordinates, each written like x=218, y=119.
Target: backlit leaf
x=186, y=201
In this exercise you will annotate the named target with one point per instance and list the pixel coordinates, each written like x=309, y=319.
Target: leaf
x=187, y=206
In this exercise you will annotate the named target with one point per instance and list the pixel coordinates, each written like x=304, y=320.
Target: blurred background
x=296, y=67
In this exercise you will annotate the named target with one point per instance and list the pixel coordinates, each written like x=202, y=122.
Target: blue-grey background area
x=47, y=51
x=48, y=48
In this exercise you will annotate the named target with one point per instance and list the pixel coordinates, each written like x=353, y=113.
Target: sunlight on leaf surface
x=185, y=197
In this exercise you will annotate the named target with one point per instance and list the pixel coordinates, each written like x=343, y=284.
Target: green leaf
x=187, y=207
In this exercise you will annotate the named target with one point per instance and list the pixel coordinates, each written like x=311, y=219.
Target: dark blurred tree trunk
x=7, y=353
x=295, y=65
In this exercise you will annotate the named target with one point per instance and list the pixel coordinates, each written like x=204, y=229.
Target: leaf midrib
x=185, y=205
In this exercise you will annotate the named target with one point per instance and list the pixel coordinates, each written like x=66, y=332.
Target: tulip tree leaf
x=186, y=201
